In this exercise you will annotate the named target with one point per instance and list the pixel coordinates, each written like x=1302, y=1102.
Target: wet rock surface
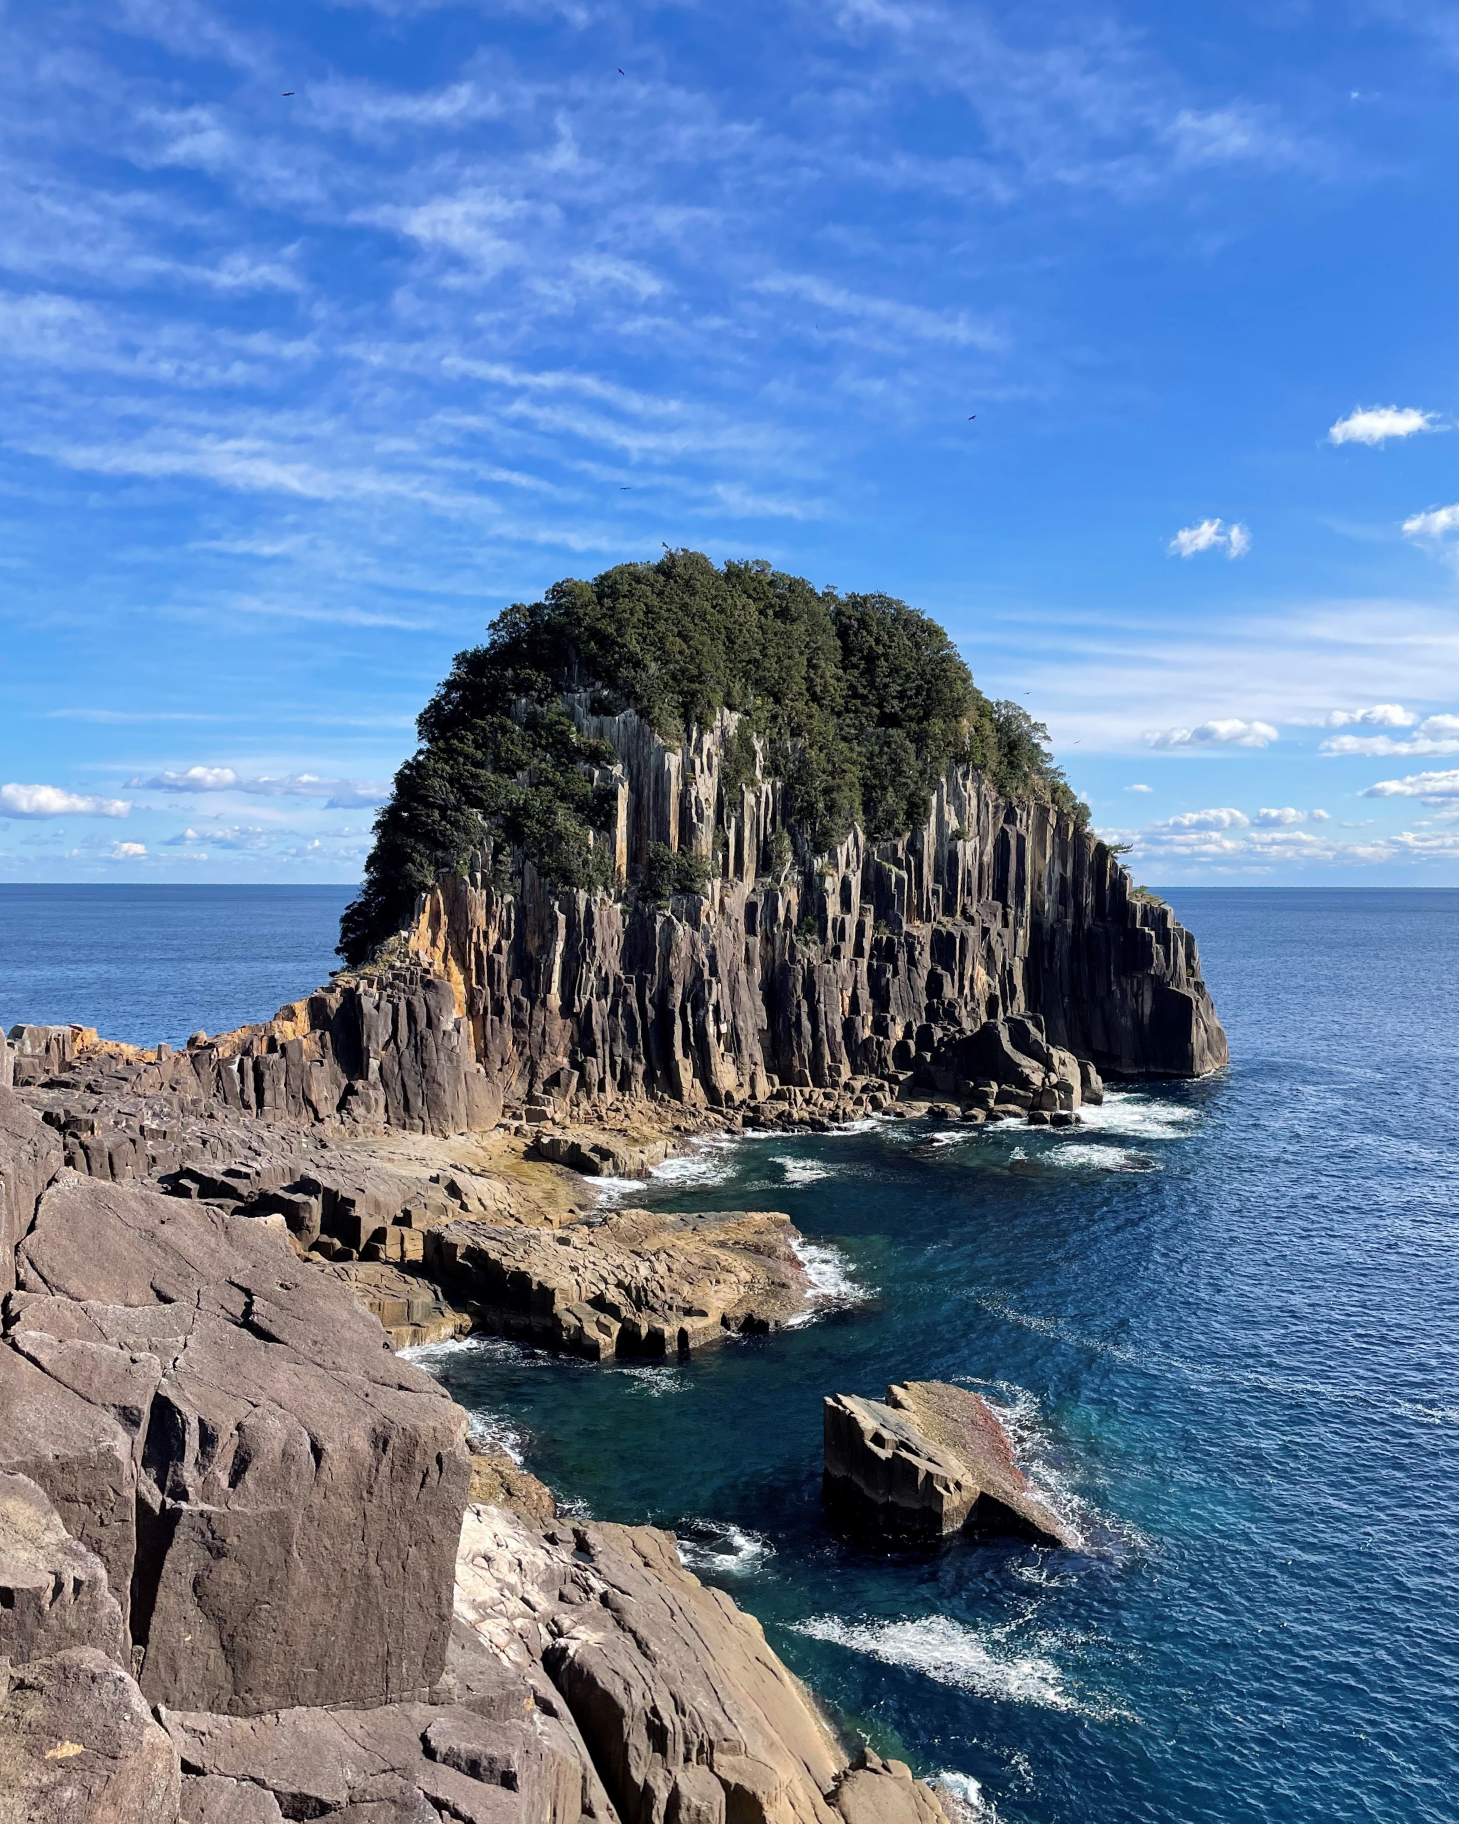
x=929, y=1460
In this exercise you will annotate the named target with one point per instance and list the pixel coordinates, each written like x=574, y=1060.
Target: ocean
x=1221, y=1318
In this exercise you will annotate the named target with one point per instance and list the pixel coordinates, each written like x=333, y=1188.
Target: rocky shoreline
x=250, y=1567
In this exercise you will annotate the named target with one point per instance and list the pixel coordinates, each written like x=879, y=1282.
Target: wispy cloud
x=1224, y=818
x=1434, y=735
x=341, y=794
x=1435, y=523
x=55, y=801
x=1211, y=535
x=1381, y=715
x=1224, y=731
x=1376, y=424
x=1431, y=788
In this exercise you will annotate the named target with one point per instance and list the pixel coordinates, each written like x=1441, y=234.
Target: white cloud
x=1225, y=731
x=1432, y=788
x=1433, y=524
x=1322, y=816
x=1381, y=715
x=1434, y=735
x=1211, y=535
x=54, y=801
x=1275, y=819
x=127, y=851
x=1375, y=424
x=1139, y=788
x=341, y=794
x=1224, y=818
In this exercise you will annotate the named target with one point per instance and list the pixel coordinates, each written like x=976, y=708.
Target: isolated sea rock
x=631, y=1282
x=284, y=1497
x=78, y=1745
x=928, y=1461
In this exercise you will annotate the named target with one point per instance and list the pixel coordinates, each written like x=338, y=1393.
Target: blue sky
x=297, y=391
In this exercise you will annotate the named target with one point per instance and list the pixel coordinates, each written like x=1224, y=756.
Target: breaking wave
x=971, y=1659
x=720, y=1549
x=832, y=1287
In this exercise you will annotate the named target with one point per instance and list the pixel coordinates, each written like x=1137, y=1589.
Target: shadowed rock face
x=928, y=1462
x=53, y=1592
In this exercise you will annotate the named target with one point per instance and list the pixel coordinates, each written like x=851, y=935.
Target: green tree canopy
x=862, y=700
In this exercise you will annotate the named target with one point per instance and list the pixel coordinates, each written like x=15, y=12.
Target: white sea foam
x=801, y=1171
x=492, y=1431
x=708, y=1161
x=1127, y=1113
x=722, y=1550
x=971, y=1659
x=660, y=1378
x=966, y=1795
x=1090, y=1156
x=614, y=1190
x=832, y=1286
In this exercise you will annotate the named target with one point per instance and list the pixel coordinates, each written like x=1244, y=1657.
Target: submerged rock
x=928, y=1461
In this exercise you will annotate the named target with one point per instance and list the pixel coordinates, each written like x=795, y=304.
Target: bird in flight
x=971, y=416
x=625, y=490
x=286, y=94
x=622, y=72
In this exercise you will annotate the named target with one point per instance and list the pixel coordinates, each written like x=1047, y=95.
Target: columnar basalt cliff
x=879, y=959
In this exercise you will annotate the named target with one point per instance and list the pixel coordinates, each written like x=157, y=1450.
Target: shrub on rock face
x=859, y=701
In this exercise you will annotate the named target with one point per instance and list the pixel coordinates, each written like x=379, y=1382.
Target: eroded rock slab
x=30, y=1157
x=928, y=1461
x=632, y=1282
x=296, y=1488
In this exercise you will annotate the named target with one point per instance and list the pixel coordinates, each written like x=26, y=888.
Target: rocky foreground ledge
x=240, y=1578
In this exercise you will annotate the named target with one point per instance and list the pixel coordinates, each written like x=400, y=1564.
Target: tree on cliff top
x=862, y=700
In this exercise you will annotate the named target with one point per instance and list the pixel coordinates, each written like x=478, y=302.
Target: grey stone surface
x=78, y=1745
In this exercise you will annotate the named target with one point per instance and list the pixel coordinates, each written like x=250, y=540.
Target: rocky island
x=682, y=848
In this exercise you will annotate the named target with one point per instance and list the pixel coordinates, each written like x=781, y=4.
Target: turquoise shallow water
x=1223, y=1318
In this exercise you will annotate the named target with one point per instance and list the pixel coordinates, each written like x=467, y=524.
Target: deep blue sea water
x=148, y=963
x=1224, y=1320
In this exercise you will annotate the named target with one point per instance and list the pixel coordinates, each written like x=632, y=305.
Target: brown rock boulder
x=53, y=1592
x=930, y=1460
x=874, y=1791
x=79, y=1746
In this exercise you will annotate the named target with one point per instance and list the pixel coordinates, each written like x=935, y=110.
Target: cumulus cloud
x=1375, y=424
x=1268, y=819
x=1433, y=524
x=1432, y=788
x=1224, y=818
x=54, y=801
x=1321, y=816
x=230, y=836
x=127, y=851
x=1381, y=715
x=341, y=794
x=1211, y=535
x=1225, y=731
x=1434, y=735
x=1139, y=788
